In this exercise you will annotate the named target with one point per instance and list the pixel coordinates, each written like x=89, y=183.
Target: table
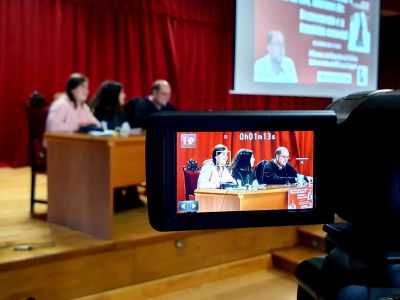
x=82, y=173
x=272, y=198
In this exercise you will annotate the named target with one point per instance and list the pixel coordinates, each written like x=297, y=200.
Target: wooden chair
x=37, y=153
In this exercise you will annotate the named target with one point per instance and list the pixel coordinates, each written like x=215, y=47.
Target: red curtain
x=187, y=42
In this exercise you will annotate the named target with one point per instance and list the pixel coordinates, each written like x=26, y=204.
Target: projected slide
x=324, y=48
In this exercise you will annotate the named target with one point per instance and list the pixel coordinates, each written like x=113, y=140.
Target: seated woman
x=108, y=103
x=108, y=110
x=215, y=170
x=241, y=167
x=69, y=112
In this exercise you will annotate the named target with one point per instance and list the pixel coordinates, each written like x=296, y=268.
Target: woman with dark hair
x=69, y=112
x=107, y=107
x=215, y=170
x=241, y=167
x=108, y=103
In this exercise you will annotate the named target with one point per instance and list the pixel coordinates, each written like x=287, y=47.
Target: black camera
x=363, y=260
x=223, y=144
x=344, y=160
x=349, y=151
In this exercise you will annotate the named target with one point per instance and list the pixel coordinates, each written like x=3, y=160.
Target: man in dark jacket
x=278, y=170
x=138, y=110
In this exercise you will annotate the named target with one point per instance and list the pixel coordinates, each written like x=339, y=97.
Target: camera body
x=353, y=155
x=363, y=253
x=174, y=140
x=366, y=162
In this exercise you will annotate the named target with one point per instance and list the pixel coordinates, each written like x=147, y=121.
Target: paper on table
x=135, y=131
x=102, y=133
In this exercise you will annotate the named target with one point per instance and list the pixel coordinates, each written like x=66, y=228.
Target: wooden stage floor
x=136, y=255
x=19, y=228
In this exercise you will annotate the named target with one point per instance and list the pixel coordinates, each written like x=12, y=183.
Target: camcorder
x=273, y=168
x=345, y=158
x=175, y=141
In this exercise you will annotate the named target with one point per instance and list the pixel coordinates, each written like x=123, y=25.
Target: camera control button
x=188, y=206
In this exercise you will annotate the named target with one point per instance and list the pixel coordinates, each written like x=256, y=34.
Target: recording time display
x=257, y=136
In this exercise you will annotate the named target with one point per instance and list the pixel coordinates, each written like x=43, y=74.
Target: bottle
x=125, y=129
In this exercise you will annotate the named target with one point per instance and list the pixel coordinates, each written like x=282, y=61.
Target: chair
x=190, y=179
x=130, y=109
x=260, y=170
x=37, y=153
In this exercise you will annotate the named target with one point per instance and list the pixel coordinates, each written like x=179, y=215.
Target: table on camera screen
x=274, y=197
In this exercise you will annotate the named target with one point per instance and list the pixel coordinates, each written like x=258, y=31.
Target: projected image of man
x=275, y=66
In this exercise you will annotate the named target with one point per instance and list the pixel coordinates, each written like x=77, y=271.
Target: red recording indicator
x=188, y=140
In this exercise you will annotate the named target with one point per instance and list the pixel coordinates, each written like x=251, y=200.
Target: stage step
x=312, y=236
x=311, y=243
x=186, y=280
x=288, y=259
x=137, y=255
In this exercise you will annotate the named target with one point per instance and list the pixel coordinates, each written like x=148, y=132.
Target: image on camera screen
x=244, y=171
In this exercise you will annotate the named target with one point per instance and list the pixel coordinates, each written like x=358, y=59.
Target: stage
x=54, y=262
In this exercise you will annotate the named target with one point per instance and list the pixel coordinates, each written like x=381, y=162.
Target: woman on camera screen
x=241, y=167
x=215, y=171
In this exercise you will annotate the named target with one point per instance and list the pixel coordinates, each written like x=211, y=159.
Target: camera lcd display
x=238, y=169
x=244, y=171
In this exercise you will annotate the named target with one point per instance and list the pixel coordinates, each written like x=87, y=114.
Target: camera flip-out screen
x=244, y=171
x=237, y=169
